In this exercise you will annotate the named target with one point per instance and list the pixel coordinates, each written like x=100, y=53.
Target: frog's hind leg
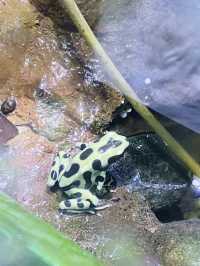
x=76, y=206
x=81, y=200
x=84, y=201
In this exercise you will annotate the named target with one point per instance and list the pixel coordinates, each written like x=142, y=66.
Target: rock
x=39, y=57
x=177, y=243
x=25, y=165
x=122, y=231
x=149, y=168
x=7, y=130
x=17, y=32
x=161, y=65
x=190, y=204
x=91, y=10
x=9, y=105
x=134, y=124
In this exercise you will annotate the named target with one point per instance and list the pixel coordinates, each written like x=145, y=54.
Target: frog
x=83, y=177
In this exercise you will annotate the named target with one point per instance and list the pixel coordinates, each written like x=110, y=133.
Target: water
x=155, y=45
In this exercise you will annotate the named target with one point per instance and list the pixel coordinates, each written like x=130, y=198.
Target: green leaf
x=39, y=238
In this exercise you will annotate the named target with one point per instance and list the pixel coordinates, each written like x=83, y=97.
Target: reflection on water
x=155, y=44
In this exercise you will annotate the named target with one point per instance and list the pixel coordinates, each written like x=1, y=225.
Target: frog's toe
x=110, y=182
x=102, y=207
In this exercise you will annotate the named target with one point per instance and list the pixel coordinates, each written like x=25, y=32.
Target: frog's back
x=98, y=155
x=95, y=158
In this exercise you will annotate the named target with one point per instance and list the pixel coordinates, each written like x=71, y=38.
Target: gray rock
x=155, y=46
x=7, y=129
x=178, y=243
x=148, y=167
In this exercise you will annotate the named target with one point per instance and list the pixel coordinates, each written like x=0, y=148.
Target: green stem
x=80, y=22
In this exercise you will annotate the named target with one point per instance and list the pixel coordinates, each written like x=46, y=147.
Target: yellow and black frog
x=83, y=176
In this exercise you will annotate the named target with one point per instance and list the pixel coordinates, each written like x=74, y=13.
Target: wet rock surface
x=124, y=232
x=148, y=166
x=177, y=243
x=7, y=129
x=8, y=106
x=158, y=43
x=25, y=162
x=35, y=58
x=91, y=10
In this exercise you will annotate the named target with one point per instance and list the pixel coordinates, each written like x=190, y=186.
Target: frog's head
x=111, y=146
x=56, y=169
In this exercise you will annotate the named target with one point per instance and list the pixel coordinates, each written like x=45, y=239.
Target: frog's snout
x=52, y=189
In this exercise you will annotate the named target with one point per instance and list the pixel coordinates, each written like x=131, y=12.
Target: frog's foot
x=105, y=181
x=103, y=184
x=102, y=207
x=110, y=182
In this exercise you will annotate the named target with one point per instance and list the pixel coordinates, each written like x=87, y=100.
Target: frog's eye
x=110, y=144
x=54, y=175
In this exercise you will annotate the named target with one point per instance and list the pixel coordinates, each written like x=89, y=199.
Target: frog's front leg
x=104, y=183
x=57, y=168
x=110, y=182
x=100, y=180
x=82, y=200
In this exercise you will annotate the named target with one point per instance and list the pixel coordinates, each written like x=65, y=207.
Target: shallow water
x=155, y=45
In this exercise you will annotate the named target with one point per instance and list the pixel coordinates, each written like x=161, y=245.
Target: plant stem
x=80, y=22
